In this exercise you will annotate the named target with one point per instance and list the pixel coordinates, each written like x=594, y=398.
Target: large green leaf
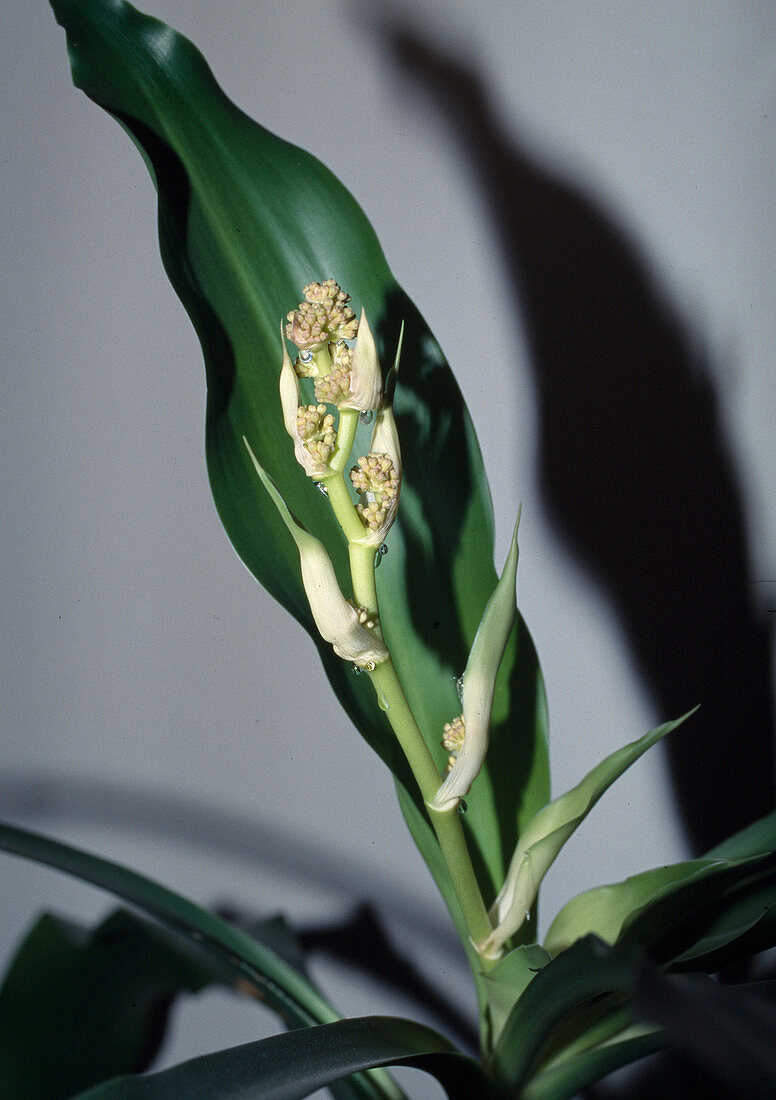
x=291, y=1066
x=245, y=220
x=279, y=984
x=723, y=897
x=241, y=960
x=79, y=1006
x=604, y=910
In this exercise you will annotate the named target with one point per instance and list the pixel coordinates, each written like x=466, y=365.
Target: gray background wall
x=157, y=707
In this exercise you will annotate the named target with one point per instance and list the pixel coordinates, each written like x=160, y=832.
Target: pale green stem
x=447, y=825
x=390, y=693
x=344, y=508
x=346, y=434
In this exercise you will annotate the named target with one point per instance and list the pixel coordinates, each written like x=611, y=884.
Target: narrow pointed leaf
x=291, y=1066
x=547, y=832
x=246, y=220
x=570, y=1077
x=744, y=924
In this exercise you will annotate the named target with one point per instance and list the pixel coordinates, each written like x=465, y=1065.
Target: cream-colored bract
x=479, y=683
x=289, y=402
x=338, y=621
x=366, y=378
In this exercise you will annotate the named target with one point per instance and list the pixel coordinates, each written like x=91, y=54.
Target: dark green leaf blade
x=569, y=1077
x=291, y=1066
x=568, y=983
x=728, y=1031
x=235, y=204
x=240, y=956
x=235, y=958
x=79, y=1006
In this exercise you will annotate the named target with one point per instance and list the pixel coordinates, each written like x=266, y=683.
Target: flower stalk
x=347, y=383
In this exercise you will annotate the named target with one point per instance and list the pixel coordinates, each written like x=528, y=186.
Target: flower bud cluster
x=316, y=430
x=323, y=316
x=453, y=734
x=335, y=387
x=376, y=479
x=365, y=617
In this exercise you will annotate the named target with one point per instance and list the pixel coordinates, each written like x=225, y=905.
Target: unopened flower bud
x=324, y=315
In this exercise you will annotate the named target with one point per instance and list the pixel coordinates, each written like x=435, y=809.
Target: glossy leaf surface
x=246, y=220
x=291, y=1066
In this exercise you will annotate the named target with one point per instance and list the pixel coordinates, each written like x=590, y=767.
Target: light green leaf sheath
x=547, y=832
x=479, y=683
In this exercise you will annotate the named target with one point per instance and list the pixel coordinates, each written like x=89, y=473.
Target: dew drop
x=305, y=357
x=322, y=488
x=382, y=549
x=370, y=666
x=356, y=670
x=527, y=914
x=366, y=417
x=459, y=687
x=462, y=807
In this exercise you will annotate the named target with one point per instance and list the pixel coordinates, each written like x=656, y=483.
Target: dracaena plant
x=335, y=432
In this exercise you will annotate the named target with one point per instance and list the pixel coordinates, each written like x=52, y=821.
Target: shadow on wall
x=633, y=461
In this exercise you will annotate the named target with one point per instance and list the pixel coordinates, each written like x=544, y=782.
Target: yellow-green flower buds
x=453, y=735
x=348, y=629
x=479, y=682
x=323, y=316
x=334, y=388
x=355, y=380
x=311, y=427
x=377, y=478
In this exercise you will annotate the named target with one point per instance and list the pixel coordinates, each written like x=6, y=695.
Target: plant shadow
x=635, y=469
